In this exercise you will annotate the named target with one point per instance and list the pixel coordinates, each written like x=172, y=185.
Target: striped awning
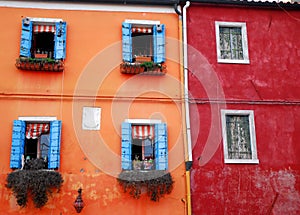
x=141, y=30
x=142, y=131
x=34, y=130
x=44, y=28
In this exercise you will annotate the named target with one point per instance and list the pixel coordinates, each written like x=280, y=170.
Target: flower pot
x=142, y=59
x=40, y=55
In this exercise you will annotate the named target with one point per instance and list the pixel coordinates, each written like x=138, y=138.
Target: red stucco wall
x=268, y=85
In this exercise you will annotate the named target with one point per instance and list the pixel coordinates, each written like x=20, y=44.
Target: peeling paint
x=110, y=195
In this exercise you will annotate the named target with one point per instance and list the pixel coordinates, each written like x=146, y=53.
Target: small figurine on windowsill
x=137, y=164
x=148, y=164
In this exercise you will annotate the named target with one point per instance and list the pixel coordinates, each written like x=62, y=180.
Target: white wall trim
x=243, y=27
x=44, y=20
x=142, y=22
x=143, y=121
x=250, y=114
x=85, y=6
x=37, y=118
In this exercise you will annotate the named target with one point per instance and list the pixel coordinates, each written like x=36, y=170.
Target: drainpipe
x=186, y=117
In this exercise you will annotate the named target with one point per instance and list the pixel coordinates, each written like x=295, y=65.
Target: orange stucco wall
x=91, y=159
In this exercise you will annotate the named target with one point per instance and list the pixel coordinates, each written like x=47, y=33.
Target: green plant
x=149, y=65
x=35, y=181
x=157, y=183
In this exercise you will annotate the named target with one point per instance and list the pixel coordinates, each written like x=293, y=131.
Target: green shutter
x=26, y=37
x=54, y=148
x=60, y=40
x=159, y=43
x=161, y=147
x=126, y=42
x=126, y=146
x=18, y=141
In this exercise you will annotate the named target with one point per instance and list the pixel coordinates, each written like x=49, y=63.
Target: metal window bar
x=231, y=46
x=238, y=137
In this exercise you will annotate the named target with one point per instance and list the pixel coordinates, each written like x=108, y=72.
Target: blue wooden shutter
x=126, y=146
x=18, y=141
x=26, y=38
x=159, y=43
x=54, y=148
x=126, y=42
x=161, y=147
x=60, y=40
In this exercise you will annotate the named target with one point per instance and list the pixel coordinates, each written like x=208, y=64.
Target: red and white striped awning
x=34, y=130
x=141, y=30
x=142, y=131
x=44, y=28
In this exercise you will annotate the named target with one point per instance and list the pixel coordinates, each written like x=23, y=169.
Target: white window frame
x=250, y=114
x=242, y=25
x=40, y=119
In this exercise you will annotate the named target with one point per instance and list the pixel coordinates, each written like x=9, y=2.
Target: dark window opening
x=30, y=150
x=142, y=44
x=44, y=146
x=43, y=43
x=143, y=154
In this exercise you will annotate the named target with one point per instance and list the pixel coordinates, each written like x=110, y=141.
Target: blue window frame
x=159, y=147
x=19, y=142
x=43, y=36
x=150, y=41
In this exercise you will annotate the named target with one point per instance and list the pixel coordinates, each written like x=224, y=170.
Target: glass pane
x=141, y=44
x=231, y=45
x=44, y=147
x=238, y=137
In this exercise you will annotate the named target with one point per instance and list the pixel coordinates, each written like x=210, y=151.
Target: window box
x=145, y=68
x=35, y=182
x=39, y=64
x=156, y=183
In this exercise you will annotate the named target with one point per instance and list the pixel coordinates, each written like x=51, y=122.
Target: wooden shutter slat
x=54, y=148
x=60, y=40
x=126, y=42
x=18, y=141
x=26, y=38
x=126, y=149
x=161, y=147
x=159, y=43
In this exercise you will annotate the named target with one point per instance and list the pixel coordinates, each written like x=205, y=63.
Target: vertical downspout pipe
x=187, y=140
x=189, y=158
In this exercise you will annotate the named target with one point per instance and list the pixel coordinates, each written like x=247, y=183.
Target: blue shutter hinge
x=26, y=21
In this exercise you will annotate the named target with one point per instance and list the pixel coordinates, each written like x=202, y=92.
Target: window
x=33, y=139
x=239, y=136
x=144, y=145
x=143, y=39
x=232, y=45
x=43, y=38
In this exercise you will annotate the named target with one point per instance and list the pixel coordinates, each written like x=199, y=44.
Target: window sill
x=145, y=68
x=241, y=161
x=39, y=64
x=245, y=61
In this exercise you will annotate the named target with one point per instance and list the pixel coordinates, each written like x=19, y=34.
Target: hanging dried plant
x=34, y=181
x=156, y=182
